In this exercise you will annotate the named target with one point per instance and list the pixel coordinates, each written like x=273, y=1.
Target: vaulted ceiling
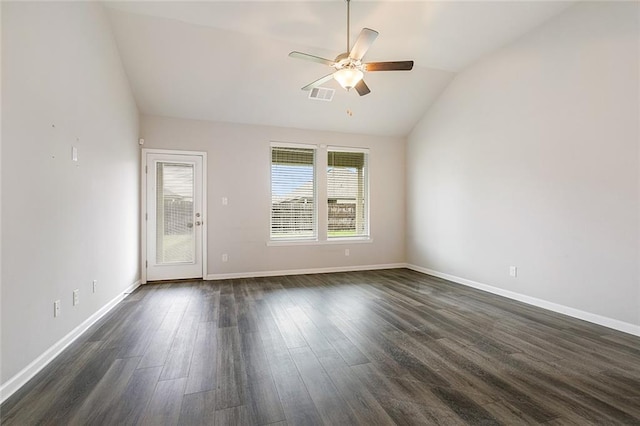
x=228, y=61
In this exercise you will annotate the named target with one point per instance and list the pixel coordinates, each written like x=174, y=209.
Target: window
x=347, y=194
x=299, y=190
x=293, y=193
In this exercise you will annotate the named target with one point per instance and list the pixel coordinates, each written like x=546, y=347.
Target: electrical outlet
x=225, y=201
x=347, y=252
x=76, y=296
x=95, y=285
x=225, y=257
x=56, y=308
x=513, y=271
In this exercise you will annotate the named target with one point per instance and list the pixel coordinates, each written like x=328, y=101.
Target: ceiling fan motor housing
x=349, y=68
x=345, y=61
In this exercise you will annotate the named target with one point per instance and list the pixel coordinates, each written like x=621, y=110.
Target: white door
x=174, y=216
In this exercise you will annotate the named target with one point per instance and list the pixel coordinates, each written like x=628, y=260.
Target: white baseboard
x=131, y=289
x=259, y=274
x=555, y=307
x=16, y=382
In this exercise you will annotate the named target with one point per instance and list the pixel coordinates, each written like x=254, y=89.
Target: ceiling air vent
x=321, y=94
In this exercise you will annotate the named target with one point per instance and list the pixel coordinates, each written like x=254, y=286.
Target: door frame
x=143, y=206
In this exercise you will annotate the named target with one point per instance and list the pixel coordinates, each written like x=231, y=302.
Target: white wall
x=64, y=223
x=239, y=169
x=531, y=158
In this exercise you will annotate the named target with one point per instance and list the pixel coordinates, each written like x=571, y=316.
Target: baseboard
x=614, y=324
x=16, y=382
x=259, y=274
x=131, y=289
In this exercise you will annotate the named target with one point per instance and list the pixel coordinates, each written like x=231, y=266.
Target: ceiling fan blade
x=364, y=41
x=318, y=82
x=389, y=66
x=362, y=88
x=307, y=57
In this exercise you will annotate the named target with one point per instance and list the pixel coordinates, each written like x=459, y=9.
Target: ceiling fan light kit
x=348, y=77
x=349, y=68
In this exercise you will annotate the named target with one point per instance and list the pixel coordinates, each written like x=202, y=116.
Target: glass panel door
x=175, y=231
x=174, y=216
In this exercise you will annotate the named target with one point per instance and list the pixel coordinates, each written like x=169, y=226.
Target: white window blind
x=293, y=193
x=175, y=235
x=347, y=194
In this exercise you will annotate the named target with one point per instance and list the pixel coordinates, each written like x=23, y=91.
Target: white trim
x=130, y=289
x=259, y=274
x=9, y=387
x=143, y=216
x=203, y=209
x=367, y=180
x=348, y=240
x=615, y=324
x=316, y=179
x=172, y=151
x=143, y=205
x=276, y=144
x=334, y=148
x=342, y=240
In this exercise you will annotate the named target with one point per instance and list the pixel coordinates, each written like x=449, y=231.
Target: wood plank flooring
x=370, y=348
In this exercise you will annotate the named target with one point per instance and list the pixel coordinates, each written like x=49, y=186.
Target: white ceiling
x=227, y=61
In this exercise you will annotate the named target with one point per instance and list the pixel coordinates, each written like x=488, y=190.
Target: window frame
x=366, y=151
x=321, y=236
x=294, y=239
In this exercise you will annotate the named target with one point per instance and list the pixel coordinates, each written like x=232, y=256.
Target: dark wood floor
x=370, y=348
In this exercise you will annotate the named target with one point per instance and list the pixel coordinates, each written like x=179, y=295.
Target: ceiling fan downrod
x=348, y=25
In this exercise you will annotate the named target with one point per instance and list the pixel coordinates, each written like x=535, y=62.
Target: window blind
x=293, y=193
x=175, y=238
x=347, y=194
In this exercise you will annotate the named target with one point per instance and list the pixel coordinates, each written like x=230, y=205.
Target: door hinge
x=146, y=263
x=146, y=169
x=146, y=216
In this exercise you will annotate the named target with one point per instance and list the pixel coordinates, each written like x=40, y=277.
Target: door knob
x=198, y=223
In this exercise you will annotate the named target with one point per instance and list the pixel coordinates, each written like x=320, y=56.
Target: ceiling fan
x=349, y=68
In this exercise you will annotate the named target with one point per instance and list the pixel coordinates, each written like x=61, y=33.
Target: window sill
x=352, y=240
